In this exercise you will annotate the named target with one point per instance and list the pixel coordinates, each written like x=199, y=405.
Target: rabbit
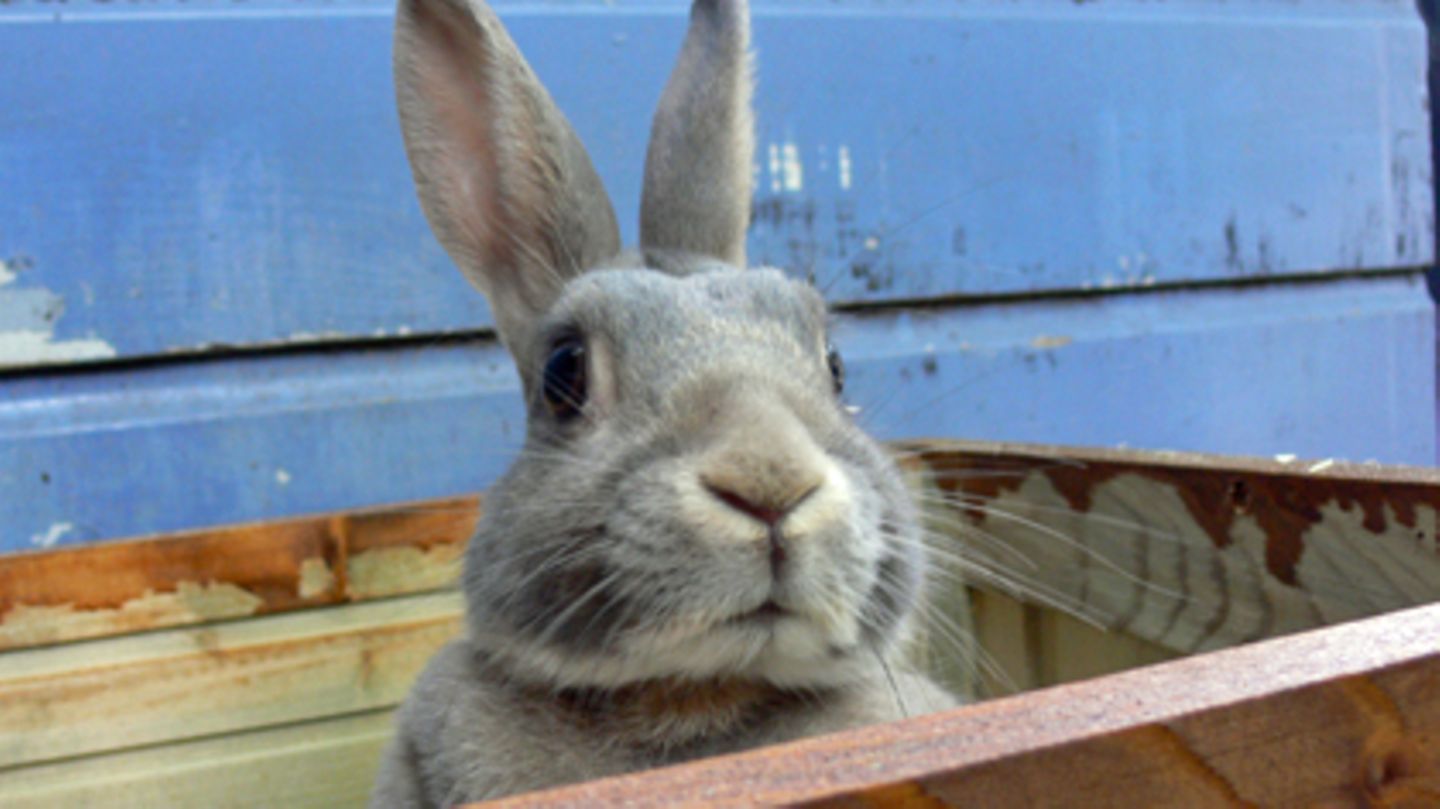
x=697, y=550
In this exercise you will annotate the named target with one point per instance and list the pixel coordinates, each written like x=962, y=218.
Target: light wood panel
x=88, y=698
x=321, y=764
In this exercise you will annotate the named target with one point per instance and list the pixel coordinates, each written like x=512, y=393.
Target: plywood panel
x=1194, y=553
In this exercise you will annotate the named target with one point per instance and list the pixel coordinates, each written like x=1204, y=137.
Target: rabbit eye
x=837, y=368
x=565, y=379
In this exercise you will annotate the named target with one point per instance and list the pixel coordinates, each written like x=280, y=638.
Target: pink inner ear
x=454, y=146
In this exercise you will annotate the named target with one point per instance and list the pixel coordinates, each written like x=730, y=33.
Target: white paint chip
x=282, y=477
x=1321, y=466
x=794, y=169
x=1285, y=457
x=845, y=168
x=7, y=275
x=22, y=348
x=1049, y=342
x=775, y=186
x=52, y=535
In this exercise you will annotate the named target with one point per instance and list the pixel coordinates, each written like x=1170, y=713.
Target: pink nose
x=768, y=514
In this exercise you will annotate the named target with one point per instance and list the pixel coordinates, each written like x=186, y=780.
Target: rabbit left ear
x=503, y=179
x=697, y=172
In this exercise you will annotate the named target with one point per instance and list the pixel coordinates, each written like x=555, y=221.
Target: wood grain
x=321, y=764
x=1192, y=552
x=1340, y=717
x=119, y=693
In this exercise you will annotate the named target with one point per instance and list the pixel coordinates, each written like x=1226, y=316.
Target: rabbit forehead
x=643, y=312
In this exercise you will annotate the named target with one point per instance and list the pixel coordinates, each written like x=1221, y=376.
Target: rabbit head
x=692, y=500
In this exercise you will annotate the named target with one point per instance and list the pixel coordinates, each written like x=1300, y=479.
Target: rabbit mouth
x=763, y=615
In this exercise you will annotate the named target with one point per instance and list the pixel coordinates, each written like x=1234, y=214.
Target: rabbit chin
x=793, y=652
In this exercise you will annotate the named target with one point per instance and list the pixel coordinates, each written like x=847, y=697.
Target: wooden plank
x=121, y=693
x=1344, y=716
x=1192, y=552
x=92, y=456
x=200, y=576
x=321, y=764
x=163, y=149
x=1028, y=646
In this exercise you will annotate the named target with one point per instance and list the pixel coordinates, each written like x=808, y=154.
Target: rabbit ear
x=697, y=172
x=505, y=182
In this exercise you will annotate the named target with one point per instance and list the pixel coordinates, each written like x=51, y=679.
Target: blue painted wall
x=1197, y=225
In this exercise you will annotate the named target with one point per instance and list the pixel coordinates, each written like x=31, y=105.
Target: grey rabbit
x=697, y=551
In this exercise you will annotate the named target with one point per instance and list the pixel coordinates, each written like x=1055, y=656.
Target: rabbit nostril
x=766, y=514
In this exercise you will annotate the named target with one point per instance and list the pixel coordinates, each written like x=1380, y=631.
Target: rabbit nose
x=769, y=513
x=766, y=510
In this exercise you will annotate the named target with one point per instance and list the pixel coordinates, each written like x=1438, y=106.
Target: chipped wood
x=190, y=578
x=1345, y=716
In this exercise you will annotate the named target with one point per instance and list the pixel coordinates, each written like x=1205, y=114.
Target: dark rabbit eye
x=837, y=368
x=566, y=378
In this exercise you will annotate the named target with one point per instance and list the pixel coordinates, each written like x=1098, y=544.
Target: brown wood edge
x=192, y=577
x=115, y=588
x=1029, y=455
x=1285, y=498
x=1344, y=716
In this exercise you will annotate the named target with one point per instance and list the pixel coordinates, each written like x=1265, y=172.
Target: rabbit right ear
x=702, y=142
x=503, y=179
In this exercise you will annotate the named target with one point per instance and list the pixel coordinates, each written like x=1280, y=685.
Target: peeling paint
x=1049, y=341
x=52, y=535
x=395, y=570
x=26, y=625
x=27, y=327
x=1197, y=560
x=846, y=168
x=316, y=579
x=282, y=477
x=794, y=168
x=23, y=348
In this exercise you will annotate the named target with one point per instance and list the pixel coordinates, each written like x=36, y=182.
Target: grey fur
x=711, y=556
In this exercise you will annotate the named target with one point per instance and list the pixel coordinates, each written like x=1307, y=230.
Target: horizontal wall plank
x=1342, y=369
x=1340, y=717
x=116, y=694
x=184, y=177
x=322, y=764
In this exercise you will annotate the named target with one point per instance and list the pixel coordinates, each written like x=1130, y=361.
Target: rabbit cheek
x=579, y=608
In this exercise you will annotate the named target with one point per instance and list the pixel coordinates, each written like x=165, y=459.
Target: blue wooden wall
x=1196, y=225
